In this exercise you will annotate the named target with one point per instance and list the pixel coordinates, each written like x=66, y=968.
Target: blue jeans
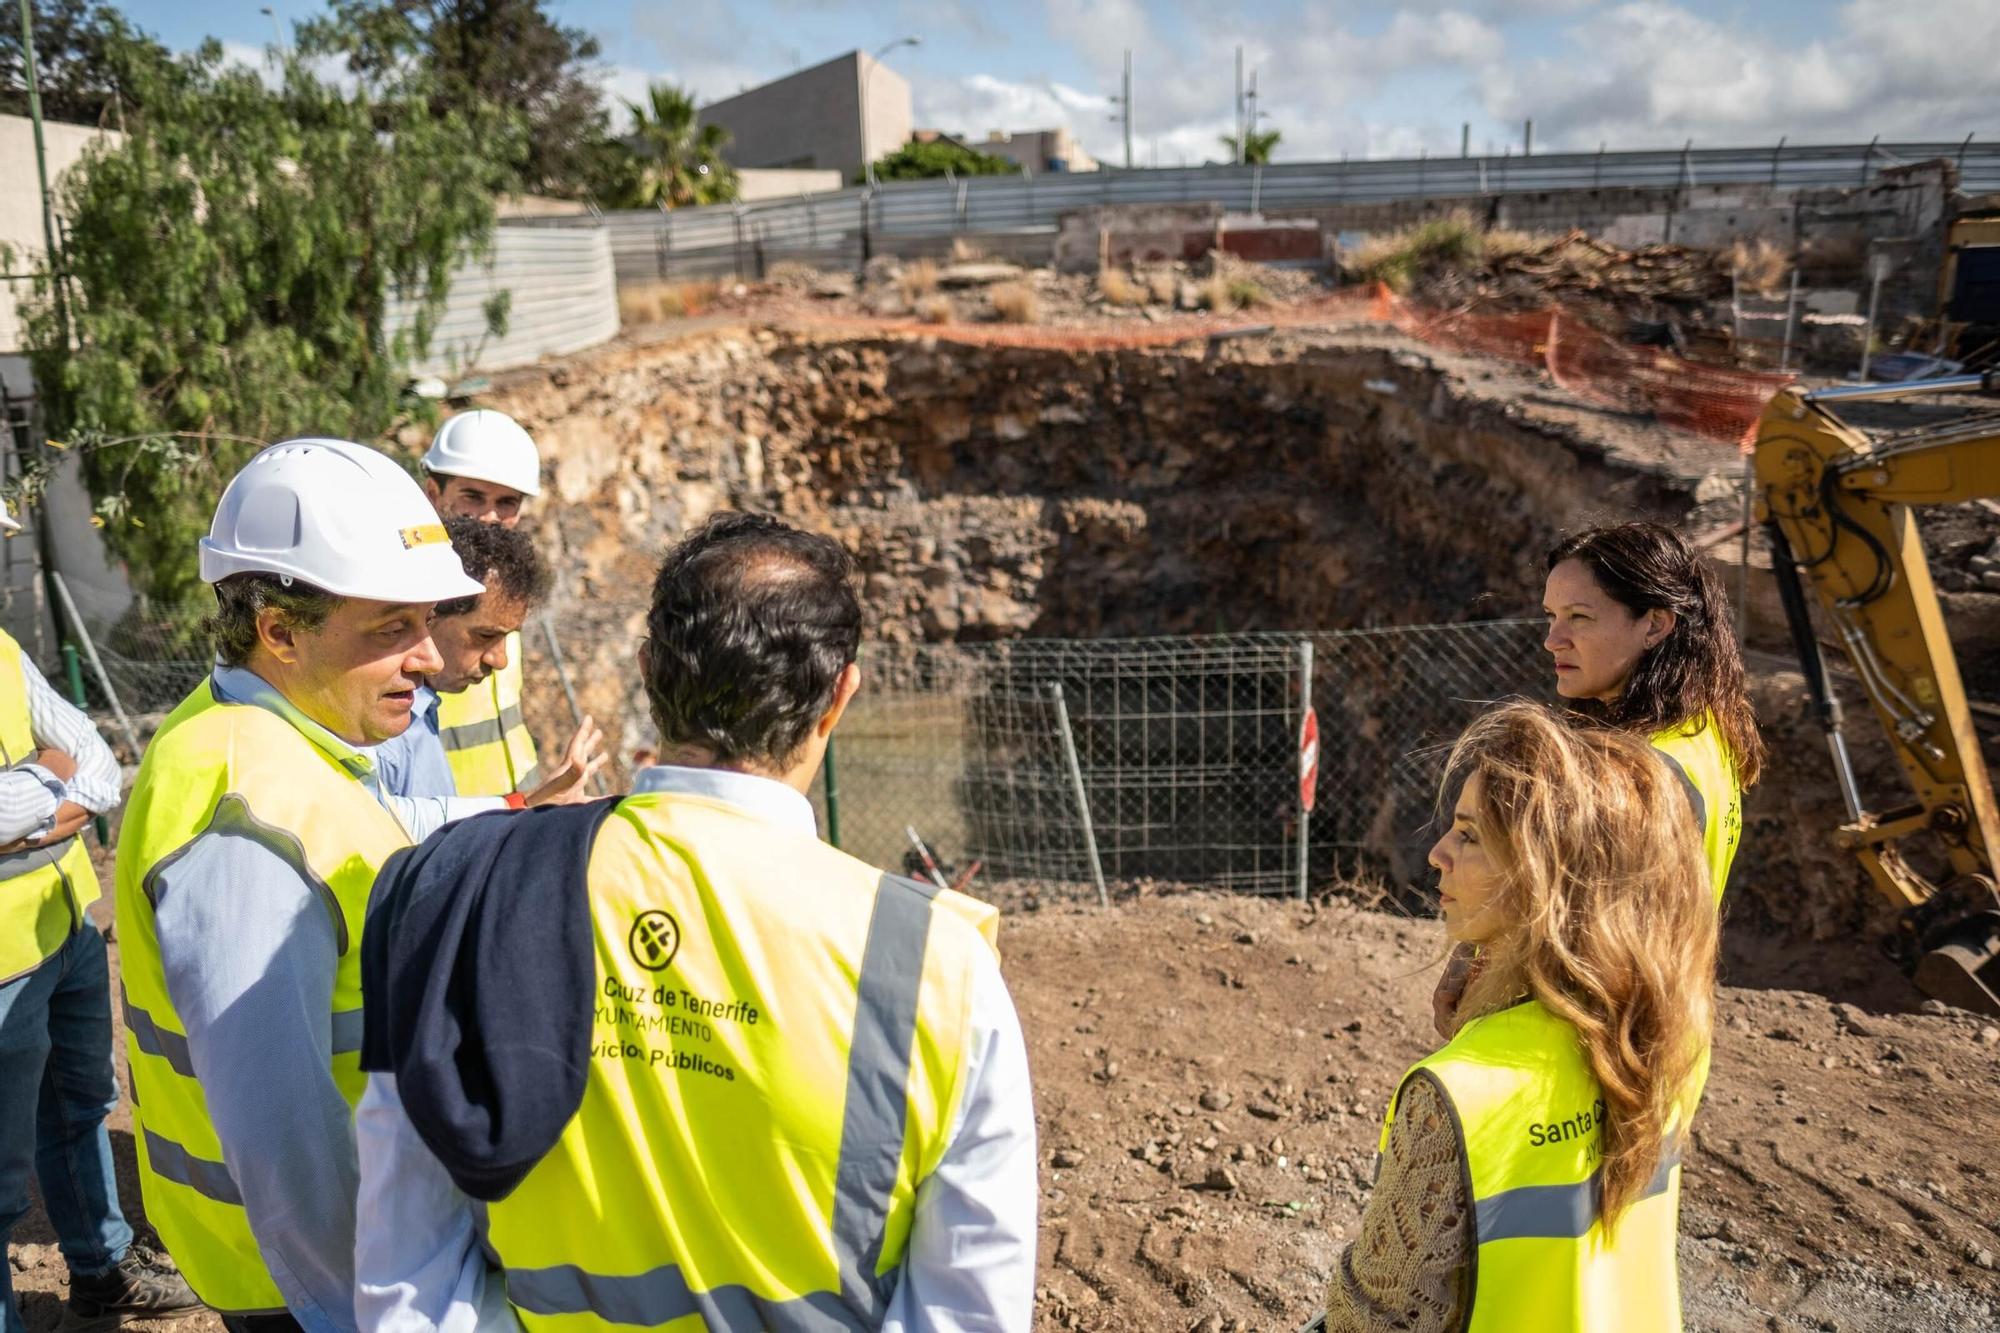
x=56, y=1087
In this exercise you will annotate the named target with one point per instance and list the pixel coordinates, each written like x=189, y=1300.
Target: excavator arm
x=1838, y=505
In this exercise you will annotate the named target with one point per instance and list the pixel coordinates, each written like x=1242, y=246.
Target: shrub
x=1246, y=294
x=1117, y=288
x=1398, y=258
x=935, y=310
x=1016, y=303
x=1760, y=266
x=1164, y=284
x=964, y=251
x=918, y=279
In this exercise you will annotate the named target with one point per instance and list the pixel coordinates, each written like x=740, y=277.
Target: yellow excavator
x=1837, y=502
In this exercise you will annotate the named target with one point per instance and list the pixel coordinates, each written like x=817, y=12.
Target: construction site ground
x=1210, y=1072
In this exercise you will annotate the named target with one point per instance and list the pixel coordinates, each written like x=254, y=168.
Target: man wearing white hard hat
x=482, y=465
x=56, y=1078
x=249, y=847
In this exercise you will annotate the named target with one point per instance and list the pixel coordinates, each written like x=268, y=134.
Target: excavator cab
x=1838, y=505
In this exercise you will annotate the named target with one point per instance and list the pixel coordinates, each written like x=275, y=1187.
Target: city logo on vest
x=655, y=939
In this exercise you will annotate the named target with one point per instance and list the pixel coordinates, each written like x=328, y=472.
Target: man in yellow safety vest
x=56, y=1079
x=248, y=851
x=728, y=1076
x=482, y=465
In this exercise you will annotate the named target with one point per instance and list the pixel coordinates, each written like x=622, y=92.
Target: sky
x=1333, y=77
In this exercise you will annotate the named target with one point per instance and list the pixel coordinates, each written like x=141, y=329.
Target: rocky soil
x=1208, y=1106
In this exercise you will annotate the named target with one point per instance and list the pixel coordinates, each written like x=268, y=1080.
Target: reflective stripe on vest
x=486, y=742
x=801, y=1033
x=230, y=771
x=43, y=890
x=1528, y=1114
x=1703, y=762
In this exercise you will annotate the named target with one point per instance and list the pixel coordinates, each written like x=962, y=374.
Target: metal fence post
x=832, y=772
x=1257, y=188
x=96, y=663
x=73, y=673
x=569, y=693
x=1791, y=316
x=1868, y=158
x=1777, y=153
x=1305, y=815
x=1076, y=787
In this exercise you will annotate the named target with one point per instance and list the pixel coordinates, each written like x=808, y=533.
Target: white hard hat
x=339, y=516
x=487, y=446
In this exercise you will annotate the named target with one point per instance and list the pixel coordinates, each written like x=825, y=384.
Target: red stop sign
x=1308, y=759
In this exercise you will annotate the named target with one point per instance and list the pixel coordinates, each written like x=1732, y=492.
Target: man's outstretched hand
x=569, y=783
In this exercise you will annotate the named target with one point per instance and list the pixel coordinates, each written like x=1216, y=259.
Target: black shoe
x=143, y=1285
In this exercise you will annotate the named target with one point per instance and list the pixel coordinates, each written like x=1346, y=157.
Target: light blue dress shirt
x=250, y=953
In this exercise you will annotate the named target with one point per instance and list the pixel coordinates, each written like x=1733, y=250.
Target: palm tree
x=1257, y=146
x=679, y=159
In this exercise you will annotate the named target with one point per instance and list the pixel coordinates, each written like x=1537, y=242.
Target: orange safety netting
x=1712, y=401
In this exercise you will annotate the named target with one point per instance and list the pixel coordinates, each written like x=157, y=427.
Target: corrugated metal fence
x=562, y=297
x=842, y=228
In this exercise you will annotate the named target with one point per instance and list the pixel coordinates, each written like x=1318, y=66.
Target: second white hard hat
x=338, y=516
x=487, y=446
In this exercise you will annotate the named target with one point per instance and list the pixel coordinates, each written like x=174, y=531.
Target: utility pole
x=1528, y=140
x=1125, y=104
x=42, y=171
x=1239, y=106
x=1250, y=116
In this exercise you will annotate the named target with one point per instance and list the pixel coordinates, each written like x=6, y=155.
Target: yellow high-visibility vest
x=43, y=890
x=485, y=741
x=777, y=1054
x=1529, y=1114
x=1699, y=754
x=242, y=769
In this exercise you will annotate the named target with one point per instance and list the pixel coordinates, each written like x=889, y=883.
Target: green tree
x=229, y=267
x=77, y=77
x=675, y=160
x=923, y=161
x=1257, y=146
x=507, y=53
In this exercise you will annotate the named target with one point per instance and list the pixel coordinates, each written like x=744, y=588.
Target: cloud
x=1647, y=73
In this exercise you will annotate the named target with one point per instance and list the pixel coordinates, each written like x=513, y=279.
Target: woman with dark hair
x=1639, y=629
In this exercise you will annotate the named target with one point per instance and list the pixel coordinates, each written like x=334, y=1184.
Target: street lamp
x=867, y=157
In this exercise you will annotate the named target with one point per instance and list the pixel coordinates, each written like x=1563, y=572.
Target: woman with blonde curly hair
x=1529, y=1176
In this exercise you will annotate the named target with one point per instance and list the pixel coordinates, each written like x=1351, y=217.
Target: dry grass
x=1115, y=285
x=918, y=279
x=1246, y=294
x=1397, y=258
x=1760, y=266
x=964, y=251
x=1016, y=303
x=1212, y=293
x=1164, y=285
x=650, y=302
x=935, y=310
x=1507, y=243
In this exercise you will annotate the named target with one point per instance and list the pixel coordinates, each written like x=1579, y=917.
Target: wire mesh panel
x=1186, y=753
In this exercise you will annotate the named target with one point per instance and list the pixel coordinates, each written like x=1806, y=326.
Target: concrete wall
x=812, y=119
x=1038, y=150
x=21, y=201
x=754, y=183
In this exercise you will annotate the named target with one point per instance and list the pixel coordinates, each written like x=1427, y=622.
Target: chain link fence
x=1168, y=760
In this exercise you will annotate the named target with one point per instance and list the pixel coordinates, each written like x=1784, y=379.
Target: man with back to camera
x=249, y=846
x=734, y=1074
x=482, y=465
x=474, y=638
